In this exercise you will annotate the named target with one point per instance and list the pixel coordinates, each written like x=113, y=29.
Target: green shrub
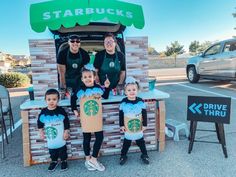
x=14, y=79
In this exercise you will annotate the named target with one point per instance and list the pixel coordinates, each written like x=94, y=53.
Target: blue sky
x=165, y=21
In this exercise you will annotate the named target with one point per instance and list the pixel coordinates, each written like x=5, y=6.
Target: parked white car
x=218, y=62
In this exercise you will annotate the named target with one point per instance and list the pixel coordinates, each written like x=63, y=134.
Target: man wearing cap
x=69, y=63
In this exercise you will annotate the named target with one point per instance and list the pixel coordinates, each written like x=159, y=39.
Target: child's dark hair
x=52, y=92
x=85, y=70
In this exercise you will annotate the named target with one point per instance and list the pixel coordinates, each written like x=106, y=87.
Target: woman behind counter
x=110, y=63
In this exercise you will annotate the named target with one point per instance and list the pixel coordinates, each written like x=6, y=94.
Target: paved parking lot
x=205, y=159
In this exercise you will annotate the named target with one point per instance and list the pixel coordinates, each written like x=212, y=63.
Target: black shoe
x=123, y=159
x=145, y=159
x=53, y=166
x=64, y=165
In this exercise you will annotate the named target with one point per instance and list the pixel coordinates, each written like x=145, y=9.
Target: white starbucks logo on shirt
x=74, y=65
x=112, y=64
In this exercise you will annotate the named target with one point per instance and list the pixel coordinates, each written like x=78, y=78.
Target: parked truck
x=218, y=62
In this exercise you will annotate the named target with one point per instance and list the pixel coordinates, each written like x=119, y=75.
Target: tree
x=194, y=47
x=204, y=46
x=152, y=51
x=174, y=49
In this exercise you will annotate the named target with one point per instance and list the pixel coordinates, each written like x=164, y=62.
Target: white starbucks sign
x=87, y=11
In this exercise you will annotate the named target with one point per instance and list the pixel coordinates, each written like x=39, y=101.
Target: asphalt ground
x=206, y=160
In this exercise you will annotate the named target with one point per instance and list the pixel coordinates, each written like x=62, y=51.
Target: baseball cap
x=74, y=36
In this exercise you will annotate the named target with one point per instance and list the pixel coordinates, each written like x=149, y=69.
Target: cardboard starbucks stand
x=45, y=75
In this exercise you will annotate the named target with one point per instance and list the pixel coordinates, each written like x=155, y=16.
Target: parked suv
x=218, y=62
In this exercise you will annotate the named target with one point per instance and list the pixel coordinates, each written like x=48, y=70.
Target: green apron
x=111, y=68
x=73, y=71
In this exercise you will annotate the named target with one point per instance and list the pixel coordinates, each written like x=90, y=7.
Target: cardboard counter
x=35, y=150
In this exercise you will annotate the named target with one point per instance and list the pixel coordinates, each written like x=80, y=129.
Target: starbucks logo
x=74, y=65
x=112, y=64
x=51, y=133
x=91, y=108
x=134, y=125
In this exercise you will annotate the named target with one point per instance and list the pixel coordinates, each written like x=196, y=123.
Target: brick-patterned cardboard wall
x=44, y=68
x=113, y=139
x=136, y=49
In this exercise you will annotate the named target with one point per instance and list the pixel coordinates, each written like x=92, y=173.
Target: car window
x=229, y=47
x=213, y=50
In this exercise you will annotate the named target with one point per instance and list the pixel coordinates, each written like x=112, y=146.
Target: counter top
x=154, y=94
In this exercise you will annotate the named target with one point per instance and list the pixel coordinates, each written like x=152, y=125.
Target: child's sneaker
x=64, y=165
x=90, y=168
x=98, y=166
x=123, y=159
x=52, y=166
x=145, y=159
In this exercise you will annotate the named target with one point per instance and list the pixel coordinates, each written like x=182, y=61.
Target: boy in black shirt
x=53, y=123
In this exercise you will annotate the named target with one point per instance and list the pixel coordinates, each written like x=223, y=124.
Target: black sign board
x=209, y=109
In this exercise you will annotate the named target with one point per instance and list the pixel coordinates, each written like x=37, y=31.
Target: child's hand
x=97, y=96
x=107, y=83
x=76, y=112
x=122, y=129
x=66, y=135
x=42, y=135
x=144, y=128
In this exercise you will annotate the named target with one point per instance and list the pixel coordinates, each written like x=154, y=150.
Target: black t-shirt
x=56, y=112
x=133, y=102
x=61, y=59
x=99, y=57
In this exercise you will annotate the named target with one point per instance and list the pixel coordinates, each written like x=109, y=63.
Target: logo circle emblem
x=51, y=133
x=134, y=125
x=112, y=64
x=91, y=108
x=74, y=65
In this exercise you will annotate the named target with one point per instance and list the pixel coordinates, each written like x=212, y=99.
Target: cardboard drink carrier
x=91, y=114
x=133, y=124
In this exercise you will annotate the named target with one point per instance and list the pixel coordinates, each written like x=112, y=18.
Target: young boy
x=54, y=123
x=133, y=120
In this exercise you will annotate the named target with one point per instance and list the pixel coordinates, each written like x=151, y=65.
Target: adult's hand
x=107, y=83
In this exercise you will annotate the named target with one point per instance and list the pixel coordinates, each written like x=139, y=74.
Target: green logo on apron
x=74, y=65
x=91, y=108
x=112, y=64
x=51, y=133
x=134, y=125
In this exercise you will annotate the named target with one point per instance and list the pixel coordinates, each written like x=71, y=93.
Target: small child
x=54, y=123
x=90, y=114
x=133, y=120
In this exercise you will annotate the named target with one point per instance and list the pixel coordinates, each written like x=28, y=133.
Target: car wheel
x=193, y=77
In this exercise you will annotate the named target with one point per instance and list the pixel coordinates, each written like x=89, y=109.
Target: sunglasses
x=109, y=42
x=73, y=41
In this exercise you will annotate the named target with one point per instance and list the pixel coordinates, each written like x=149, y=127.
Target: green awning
x=68, y=13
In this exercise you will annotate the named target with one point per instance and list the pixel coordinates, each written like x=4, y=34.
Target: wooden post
x=161, y=124
x=26, y=141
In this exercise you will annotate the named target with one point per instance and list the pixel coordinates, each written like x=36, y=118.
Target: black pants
x=96, y=146
x=127, y=143
x=58, y=153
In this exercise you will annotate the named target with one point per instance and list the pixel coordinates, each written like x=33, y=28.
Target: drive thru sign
x=209, y=109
